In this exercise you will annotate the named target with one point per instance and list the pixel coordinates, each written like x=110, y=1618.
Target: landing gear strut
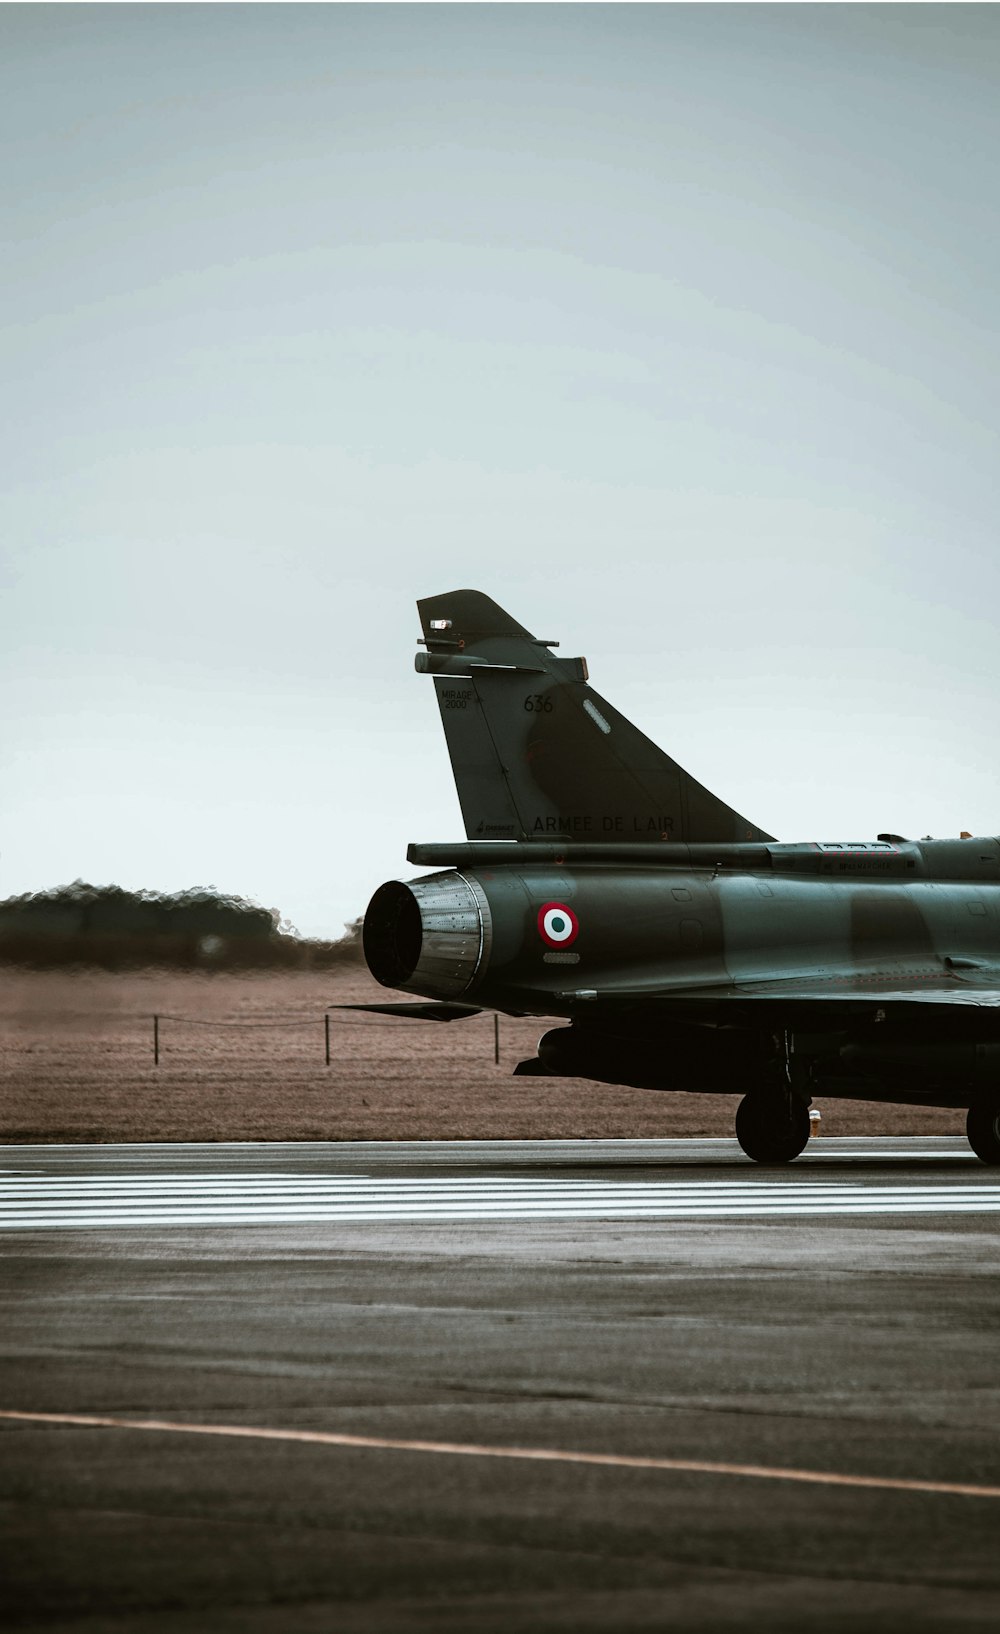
x=983, y=1129
x=772, y=1125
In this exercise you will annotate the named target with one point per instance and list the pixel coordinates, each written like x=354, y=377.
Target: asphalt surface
x=773, y=1382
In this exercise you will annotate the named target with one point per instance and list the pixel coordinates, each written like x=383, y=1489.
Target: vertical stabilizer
x=537, y=754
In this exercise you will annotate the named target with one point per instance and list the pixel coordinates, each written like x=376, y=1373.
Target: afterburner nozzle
x=432, y=936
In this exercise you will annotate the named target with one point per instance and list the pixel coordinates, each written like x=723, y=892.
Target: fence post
x=496, y=1039
x=156, y=1041
x=326, y=1029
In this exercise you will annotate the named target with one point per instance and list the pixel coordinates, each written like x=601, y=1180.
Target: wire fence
x=298, y=1023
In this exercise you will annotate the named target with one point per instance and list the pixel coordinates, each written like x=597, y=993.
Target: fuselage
x=875, y=967
x=817, y=912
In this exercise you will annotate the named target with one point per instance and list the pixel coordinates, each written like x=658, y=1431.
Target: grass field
x=243, y=1058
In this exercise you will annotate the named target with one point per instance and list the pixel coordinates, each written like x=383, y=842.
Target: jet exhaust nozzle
x=432, y=936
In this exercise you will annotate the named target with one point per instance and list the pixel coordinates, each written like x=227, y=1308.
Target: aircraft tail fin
x=537, y=754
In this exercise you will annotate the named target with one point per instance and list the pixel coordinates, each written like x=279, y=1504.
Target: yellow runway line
x=547, y=1455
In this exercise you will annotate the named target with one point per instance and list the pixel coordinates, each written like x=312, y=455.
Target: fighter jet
x=681, y=946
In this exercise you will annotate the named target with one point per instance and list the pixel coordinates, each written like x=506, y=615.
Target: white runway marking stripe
x=548, y=1455
x=47, y=1203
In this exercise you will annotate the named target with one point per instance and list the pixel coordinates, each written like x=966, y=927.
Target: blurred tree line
x=112, y=928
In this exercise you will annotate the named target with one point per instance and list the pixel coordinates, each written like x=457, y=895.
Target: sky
x=672, y=328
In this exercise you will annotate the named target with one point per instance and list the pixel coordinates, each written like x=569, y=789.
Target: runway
x=495, y=1386
x=48, y=1191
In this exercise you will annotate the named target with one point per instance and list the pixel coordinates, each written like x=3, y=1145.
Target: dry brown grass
x=77, y=1065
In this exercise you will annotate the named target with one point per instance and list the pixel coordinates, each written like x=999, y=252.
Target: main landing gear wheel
x=772, y=1126
x=983, y=1129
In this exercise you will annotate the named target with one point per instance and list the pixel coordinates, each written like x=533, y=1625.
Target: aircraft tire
x=983, y=1129
x=772, y=1126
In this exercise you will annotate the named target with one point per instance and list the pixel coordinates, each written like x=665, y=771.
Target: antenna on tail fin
x=537, y=754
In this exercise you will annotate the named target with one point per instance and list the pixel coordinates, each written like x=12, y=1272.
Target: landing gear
x=772, y=1125
x=983, y=1129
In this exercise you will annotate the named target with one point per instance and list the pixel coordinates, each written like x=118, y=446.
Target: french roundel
x=557, y=924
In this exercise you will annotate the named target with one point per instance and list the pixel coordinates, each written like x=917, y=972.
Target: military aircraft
x=685, y=948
